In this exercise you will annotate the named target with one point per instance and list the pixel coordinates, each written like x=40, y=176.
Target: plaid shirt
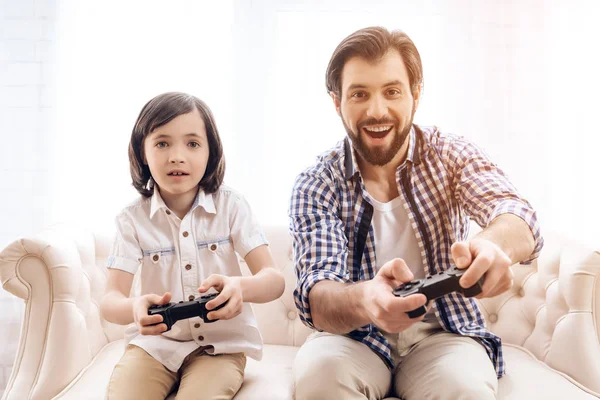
x=444, y=181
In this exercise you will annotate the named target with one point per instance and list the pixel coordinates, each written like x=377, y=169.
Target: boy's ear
x=336, y=102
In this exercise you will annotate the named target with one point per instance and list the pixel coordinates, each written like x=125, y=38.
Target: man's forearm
x=512, y=235
x=338, y=307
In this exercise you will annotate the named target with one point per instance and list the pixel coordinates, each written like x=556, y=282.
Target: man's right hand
x=385, y=310
x=149, y=324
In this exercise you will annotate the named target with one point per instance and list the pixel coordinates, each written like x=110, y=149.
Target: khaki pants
x=429, y=364
x=201, y=376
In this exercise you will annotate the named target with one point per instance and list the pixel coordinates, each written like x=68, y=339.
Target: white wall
x=27, y=42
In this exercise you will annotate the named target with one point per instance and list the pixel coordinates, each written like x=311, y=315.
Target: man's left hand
x=482, y=256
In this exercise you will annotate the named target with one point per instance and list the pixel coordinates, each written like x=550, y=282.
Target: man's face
x=376, y=106
x=177, y=155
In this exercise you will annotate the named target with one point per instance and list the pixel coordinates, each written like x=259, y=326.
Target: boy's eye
x=194, y=144
x=161, y=144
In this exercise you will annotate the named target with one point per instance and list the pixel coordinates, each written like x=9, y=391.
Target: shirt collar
x=202, y=199
x=350, y=164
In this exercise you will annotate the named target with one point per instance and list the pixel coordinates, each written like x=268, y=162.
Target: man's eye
x=194, y=145
x=393, y=92
x=160, y=145
x=359, y=94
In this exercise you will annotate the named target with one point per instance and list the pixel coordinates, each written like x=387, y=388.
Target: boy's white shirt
x=218, y=226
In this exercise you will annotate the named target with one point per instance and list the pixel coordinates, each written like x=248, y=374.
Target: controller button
x=185, y=234
x=168, y=212
x=155, y=257
x=196, y=325
x=191, y=297
x=188, y=267
x=213, y=247
x=493, y=318
x=200, y=338
x=292, y=315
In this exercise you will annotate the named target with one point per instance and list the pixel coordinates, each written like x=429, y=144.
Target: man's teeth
x=378, y=128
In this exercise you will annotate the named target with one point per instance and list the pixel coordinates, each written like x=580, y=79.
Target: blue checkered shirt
x=446, y=180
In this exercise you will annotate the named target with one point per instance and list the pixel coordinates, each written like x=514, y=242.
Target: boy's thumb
x=165, y=298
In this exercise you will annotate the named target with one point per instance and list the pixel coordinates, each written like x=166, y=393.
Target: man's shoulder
x=328, y=167
x=446, y=145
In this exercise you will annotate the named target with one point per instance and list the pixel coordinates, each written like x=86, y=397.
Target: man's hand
x=385, y=310
x=230, y=289
x=482, y=256
x=149, y=324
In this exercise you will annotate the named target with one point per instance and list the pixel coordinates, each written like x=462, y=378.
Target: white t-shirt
x=394, y=236
x=177, y=255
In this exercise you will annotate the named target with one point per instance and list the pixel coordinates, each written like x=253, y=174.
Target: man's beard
x=378, y=155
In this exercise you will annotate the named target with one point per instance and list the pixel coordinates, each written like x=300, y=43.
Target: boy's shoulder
x=227, y=194
x=139, y=205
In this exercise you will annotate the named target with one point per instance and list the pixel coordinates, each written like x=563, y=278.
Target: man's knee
x=323, y=374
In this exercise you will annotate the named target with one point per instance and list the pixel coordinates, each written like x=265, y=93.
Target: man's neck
x=380, y=180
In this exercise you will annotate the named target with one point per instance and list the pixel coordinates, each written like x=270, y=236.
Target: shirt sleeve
x=126, y=253
x=319, y=241
x=246, y=233
x=485, y=192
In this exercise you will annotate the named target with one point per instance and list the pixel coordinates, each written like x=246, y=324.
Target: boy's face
x=177, y=154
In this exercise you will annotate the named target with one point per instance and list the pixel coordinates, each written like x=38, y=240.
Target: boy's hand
x=149, y=324
x=230, y=289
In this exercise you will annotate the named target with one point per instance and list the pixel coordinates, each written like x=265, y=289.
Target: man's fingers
x=396, y=271
x=461, y=254
x=478, y=267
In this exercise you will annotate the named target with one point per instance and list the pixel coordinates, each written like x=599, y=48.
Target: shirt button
x=196, y=325
x=191, y=297
x=493, y=318
x=155, y=257
x=213, y=247
x=168, y=212
x=200, y=338
x=185, y=234
x=188, y=267
x=292, y=315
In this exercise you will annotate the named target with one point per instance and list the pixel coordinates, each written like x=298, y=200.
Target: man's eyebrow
x=395, y=82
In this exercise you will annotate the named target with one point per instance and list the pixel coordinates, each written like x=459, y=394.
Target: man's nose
x=377, y=107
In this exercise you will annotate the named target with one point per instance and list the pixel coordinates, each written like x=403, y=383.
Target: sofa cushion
x=272, y=378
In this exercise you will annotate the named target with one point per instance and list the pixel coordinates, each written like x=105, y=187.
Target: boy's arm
x=116, y=306
x=267, y=283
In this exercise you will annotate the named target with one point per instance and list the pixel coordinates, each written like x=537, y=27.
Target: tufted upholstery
x=550, y=321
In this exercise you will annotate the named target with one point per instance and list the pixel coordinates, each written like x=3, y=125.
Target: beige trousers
x=429, y=364
x=201, y=376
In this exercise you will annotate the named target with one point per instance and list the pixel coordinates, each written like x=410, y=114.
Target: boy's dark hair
x=371, y=44
x=160, y=111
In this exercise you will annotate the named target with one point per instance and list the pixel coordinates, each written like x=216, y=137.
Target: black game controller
x=173, y=312
x=438, y=285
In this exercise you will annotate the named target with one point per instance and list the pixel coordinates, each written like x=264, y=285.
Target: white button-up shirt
x=177, y=255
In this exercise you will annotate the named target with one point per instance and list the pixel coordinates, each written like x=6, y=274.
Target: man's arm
x=506, y=241
x=341, y=308
x=511, y=232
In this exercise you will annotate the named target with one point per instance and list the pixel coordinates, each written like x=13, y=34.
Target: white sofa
x=549, y=321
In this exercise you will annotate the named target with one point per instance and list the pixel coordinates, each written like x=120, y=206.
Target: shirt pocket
x=221, y=246
x=162, y=258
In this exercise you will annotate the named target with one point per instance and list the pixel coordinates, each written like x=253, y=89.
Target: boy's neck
x=180, y=204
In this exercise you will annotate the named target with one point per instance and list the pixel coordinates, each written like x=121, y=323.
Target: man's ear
x=336, y=102
x=416, y=97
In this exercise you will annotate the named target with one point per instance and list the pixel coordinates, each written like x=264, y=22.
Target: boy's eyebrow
x=165, y=136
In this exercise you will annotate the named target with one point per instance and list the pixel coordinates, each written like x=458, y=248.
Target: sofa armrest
x=62, y=329
x=553, y=310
